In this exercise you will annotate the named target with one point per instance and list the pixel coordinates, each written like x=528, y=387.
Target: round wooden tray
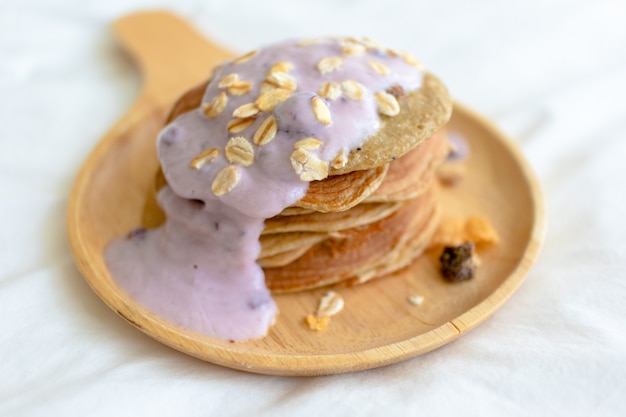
x=378, y=325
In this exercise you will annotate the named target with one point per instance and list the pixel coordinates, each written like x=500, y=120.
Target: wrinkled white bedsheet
x=551, y=74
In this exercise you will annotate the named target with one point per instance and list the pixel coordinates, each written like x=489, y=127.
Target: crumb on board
x=329, y=305
x=455, y=231
x=316, y=323
x=449, y=233
x=416, y=299
x=479, y=230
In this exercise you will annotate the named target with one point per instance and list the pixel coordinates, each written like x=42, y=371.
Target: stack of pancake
x=369, y=218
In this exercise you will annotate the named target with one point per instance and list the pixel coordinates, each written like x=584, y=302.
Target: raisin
x=138, y=233
x=395, y=90
x=457, y=263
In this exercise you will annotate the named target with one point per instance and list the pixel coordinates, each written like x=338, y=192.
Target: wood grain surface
x=378, y=325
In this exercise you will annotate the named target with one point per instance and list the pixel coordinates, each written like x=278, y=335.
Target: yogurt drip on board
x=199, y=270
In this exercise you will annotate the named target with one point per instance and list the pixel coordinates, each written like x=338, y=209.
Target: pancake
x=400, y=180
x=296, y=166
x=358, y=251
x=294, y=211
x=412, y=174
x=342, y=192
x=360, y=215
x=297, y=230
x=422, y=113
x=188, y=101
x=275, y=244
x=412, y=246
x=370, y=216
x=284, y=258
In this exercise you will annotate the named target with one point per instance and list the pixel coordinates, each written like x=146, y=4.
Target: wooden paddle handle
x=171, y=54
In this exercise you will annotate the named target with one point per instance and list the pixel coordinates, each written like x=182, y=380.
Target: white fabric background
x=552, y=74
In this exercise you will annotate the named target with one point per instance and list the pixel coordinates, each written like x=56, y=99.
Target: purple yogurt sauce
x=199, y=269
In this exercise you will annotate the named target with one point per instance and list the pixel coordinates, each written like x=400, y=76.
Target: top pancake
x=422, y=112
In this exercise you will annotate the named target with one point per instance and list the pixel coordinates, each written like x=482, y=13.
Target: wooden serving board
x=378, y=325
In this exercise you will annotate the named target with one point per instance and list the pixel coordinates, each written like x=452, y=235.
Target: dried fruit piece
x=480, y=231
x=330, y=90
x=310, y=144
x=245, y=57
x=237, y=125
x=239, y=151
x=477, y=229
x=329, y=64
x=239, y=88
x=228, y=80
x=205, y=157
x=266, y=132
x=321, y=111
x=450, y=232
x=387, y=104
x=271, y=98
x=215, y=106
x=395, y=90
x=457, y=263
x=246, y=110
x=354, y=90
x=379, y=67
x=316, y=323
x=225, y=180
x=330, y=304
